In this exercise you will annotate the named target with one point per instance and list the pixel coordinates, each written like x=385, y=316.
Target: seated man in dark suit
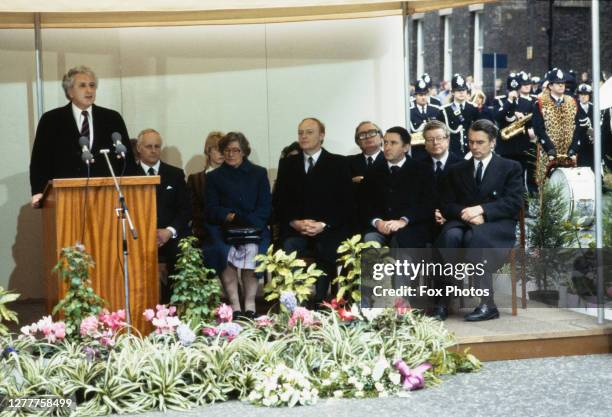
x=313, y=200
x=173, y=204
x=397, y=196
x=57, y=153
x=368, y=136
x=439, y=159
x=481, y=200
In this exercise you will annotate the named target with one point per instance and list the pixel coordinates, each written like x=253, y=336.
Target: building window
x=478, y=47
x=448, y=48
x=420, y=46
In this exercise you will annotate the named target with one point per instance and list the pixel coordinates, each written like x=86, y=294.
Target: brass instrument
x=515, y=128
x=416, y=138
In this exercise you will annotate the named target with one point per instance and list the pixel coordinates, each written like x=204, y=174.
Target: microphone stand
x=123, y=214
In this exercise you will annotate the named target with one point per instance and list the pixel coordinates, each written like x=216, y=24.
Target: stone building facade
x=517, y=28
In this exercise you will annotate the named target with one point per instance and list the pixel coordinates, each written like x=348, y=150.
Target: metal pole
x=597, y=159
x=39, y=69
x=494, y=74
x=406, y=22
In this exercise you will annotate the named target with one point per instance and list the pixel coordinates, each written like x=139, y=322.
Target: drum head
x=577, y=187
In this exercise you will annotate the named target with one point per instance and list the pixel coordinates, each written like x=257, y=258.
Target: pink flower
x=263, y=321
x=114, y=320
x=412, y=379
x=89, y=326
x=401, y=306
x=224, y=313
x=60, y=330
x=301, y=314
x=210, y=331
x=149, y=314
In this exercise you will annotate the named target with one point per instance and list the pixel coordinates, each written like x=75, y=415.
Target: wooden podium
x=63, y=217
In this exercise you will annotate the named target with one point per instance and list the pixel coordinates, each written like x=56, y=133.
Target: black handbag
x=242, y=235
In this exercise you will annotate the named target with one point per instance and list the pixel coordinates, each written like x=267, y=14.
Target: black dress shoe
x=483, y=312
x=237, y=315
x=250, y=314
x=440, y=312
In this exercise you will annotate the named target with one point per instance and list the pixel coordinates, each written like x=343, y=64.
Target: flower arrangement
x=226, y=328
x=52, y=331
x=163, y=318
x=282, y=386
x=101, y=330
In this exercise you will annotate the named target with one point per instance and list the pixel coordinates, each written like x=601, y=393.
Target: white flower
x=338, y=394
x=359, y=386
x=326, y=382
x=395, y=378
x=359, y=394
x=365, y=370
x=379, y=368
x=352, y=380
x=379, y=387
x=185, y=334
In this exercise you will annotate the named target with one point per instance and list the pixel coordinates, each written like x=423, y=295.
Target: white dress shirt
x=79, y=118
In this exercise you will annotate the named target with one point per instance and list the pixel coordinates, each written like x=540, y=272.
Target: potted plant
x=547, y=234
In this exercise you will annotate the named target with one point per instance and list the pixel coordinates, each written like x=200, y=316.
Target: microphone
x=86, y=156
x=120, y=148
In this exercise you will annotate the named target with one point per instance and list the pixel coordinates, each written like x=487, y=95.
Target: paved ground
x=559, y=387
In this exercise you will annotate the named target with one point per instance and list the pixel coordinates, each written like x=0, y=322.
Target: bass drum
x=577, y=186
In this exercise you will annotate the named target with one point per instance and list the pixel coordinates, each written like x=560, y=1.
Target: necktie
x=85, y=125
x=462, y=106
x=310, y=164
x=370, y=162
x=394, y=169
x=151, y=171
x=423, y=110
x=438, y=168
x=479, y=174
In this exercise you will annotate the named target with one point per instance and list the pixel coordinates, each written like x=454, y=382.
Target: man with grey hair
x=57, y=150
x=173, y=204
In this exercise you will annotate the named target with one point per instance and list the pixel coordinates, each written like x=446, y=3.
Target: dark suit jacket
x=585, y=146
x=500, y=195
x=427, y=162
x=455, y=118
x=406, y=193
x=173, y=201
x=56, y=152
x=325, y=194
x=358, y=166
x=196, y=184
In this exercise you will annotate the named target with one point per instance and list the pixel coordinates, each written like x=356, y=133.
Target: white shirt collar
x=555, y=97
x=443, y=159
x=146, y=167
x=399, y=164
x=77, y=113
x=373, y=156
x=315, y=156
x=485, y=163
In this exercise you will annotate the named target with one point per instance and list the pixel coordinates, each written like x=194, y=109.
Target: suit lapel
x=468, y=176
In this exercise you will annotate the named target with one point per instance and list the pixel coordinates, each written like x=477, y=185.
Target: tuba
x=515, y=128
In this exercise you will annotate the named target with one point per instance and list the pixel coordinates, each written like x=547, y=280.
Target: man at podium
x=58, y=148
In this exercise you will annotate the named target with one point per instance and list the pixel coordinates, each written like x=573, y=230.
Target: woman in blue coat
x=237, y=194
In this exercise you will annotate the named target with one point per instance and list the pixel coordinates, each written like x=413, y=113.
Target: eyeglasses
x=439, y=139
x=367, y=135
x=230, y=151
